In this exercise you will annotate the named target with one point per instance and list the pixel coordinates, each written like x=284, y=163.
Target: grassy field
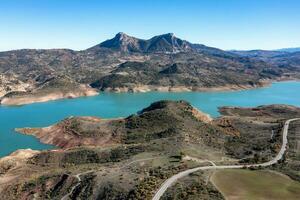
x=258, y=185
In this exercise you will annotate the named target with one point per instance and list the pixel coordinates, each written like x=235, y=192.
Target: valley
x=150, y=100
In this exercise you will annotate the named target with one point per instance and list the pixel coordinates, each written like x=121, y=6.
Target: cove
x=110, y=105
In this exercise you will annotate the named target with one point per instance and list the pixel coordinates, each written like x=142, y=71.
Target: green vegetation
x=247, y=184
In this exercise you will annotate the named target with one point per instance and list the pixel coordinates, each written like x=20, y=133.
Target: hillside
x=291, y=50
x=129, y=158
x=283, y=59
x=126, y=63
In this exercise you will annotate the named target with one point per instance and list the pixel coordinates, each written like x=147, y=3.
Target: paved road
x=174, y=178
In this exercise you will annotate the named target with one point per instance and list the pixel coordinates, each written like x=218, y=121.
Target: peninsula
x=131, y=158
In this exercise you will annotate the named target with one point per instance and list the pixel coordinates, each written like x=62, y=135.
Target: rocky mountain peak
x=165, y=43
x=168, y=43
x=122, y=42
x=168, y=35
x=122, y=36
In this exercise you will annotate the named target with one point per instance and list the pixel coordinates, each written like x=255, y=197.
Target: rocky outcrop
x=16, y=159
x=11, y=83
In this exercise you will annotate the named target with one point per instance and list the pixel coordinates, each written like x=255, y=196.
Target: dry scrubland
x=130, y=158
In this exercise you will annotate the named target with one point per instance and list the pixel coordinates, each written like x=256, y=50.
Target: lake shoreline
x=31, y=98
x=88, y=91
x=114, y=105
x=51, y=96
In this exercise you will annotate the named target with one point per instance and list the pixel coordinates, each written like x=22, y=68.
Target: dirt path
x=83, y=173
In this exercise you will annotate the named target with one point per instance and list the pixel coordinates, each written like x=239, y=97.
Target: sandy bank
x=149, y=88
x=84, y=90
x=43, y=97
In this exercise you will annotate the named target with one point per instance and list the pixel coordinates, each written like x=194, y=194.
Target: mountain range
x=291, y=50
x=125, y=63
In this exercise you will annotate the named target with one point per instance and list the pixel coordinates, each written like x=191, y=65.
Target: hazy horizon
x=78, y=25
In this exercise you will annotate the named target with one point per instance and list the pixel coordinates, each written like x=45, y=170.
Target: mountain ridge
x=290, y=50
x=164, y=43
x=125, y=63
x=158, y=44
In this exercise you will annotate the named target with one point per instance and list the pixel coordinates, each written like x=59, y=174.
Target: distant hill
x=258, y=53
x=291, y=50
x=284, y=58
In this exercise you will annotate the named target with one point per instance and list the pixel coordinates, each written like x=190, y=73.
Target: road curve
x=175, y=177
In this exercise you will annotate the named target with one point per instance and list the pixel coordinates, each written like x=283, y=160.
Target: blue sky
x=79, y=24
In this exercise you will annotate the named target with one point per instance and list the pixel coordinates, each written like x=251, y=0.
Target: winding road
x=175, y=177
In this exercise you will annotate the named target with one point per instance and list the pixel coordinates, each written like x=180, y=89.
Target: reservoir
x=111, y=105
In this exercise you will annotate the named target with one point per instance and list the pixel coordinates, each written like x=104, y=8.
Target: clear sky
x=79, y=24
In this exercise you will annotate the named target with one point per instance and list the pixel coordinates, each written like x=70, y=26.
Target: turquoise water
x=109, y=105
